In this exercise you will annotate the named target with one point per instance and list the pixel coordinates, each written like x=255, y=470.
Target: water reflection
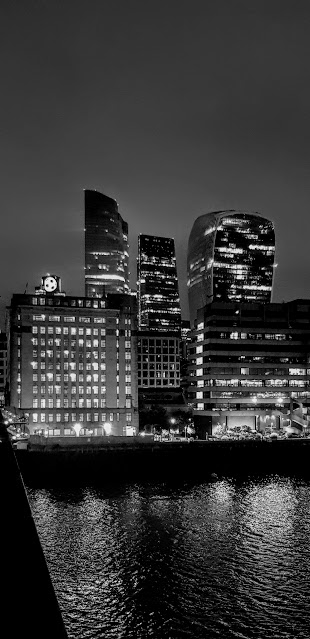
x=154, y=560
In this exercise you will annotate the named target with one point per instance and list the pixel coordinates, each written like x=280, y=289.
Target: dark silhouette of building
x=158, y=292
x=106, y=246
x=230, y=258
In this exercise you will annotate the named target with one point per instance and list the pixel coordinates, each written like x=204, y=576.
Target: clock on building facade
x=51, y=284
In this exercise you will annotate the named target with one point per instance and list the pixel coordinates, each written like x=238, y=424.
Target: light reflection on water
x=220, y=559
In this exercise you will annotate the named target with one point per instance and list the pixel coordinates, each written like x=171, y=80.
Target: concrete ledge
x=177, y=460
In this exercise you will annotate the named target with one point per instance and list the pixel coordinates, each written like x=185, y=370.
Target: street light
x=77, y=427
x=107, y=428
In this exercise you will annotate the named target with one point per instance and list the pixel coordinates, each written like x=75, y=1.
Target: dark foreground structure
x=76, y=465
x=29, y=607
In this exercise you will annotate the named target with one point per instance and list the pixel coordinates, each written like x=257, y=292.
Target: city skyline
x=78, y=284
x=171, y=131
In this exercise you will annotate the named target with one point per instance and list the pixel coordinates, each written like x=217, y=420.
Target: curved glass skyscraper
x=106, y=246
x=230, y=258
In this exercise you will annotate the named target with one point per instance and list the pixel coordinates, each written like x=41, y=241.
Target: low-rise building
x=247, y=362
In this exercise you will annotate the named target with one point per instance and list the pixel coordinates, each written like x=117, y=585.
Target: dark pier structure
x=80, y=462
x=29, y=606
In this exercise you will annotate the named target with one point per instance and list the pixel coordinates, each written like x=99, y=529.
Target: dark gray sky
x=173, y=108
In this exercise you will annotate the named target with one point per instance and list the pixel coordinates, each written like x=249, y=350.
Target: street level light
x=107, y=428
x=77, y=428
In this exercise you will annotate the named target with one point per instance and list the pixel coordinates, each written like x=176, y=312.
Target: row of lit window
x=65, y=354
x=80, y=403
x=60, y=301
x=158, y=355
x=69, y=318
x=73, y=417
x=57, y=389
x=65, y=330
x=159, y=366
x=255, y=382
x=93, y=355
x=81, y=343
x=95, y=343
x=159, y=374
x=73, y=377
x=65, y=365
x=236, y=335
x=74, y=403
x=64, y=376
x=158, y=382
x=88, y=390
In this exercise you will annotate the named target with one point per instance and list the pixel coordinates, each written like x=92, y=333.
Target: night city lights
x=155, y=319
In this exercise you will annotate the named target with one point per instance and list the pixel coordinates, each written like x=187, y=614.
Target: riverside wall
x=52, y=463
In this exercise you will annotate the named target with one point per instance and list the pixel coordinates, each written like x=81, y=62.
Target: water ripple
x=225, y=559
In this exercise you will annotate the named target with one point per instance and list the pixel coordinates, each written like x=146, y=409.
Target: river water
x=223, y=559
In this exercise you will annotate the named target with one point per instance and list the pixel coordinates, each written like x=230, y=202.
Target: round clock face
x=50, y=284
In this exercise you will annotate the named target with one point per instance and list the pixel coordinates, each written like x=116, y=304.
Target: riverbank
x=77, y=464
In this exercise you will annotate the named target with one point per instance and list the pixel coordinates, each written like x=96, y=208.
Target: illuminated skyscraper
x=106, y=246
x=230, y=258
x=158, y=292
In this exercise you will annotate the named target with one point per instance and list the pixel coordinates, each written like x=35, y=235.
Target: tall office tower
x=230, y=259
x=106, y=246
x=73, y=362
x=158, y=293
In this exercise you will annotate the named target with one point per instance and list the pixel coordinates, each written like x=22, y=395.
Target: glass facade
x=230, y=258
x=158, y=292
x=158, y=361
x=106, y=246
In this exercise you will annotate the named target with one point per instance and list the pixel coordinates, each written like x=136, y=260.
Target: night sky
x=173, y=108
